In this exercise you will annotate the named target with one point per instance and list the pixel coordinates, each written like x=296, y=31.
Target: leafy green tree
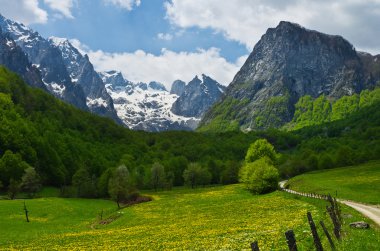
x=345, y=106
x=325, y=161
x=103, y=182
x=84, y=183
x=30, y=181
x=259, y=176
x=195, y=175
x=230, y=174
x=259, y=149
x=13, y=188
x=11, y=167
x=169, y=180
x=158, y=175
x=119, y=187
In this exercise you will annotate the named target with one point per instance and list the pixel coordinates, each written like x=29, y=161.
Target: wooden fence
x=333, y=211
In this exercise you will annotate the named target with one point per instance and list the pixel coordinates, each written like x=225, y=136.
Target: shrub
x=259, y=176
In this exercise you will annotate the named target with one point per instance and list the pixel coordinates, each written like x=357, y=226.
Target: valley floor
x=214, y=218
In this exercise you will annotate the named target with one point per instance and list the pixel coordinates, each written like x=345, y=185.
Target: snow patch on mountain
x=144, y=106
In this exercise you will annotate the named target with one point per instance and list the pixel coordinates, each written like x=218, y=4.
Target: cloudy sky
x=164, y=40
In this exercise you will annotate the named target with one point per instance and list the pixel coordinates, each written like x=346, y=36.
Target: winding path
x=370, y=211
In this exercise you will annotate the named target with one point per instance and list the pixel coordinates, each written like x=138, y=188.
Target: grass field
x=217, y=218
x=359, y=183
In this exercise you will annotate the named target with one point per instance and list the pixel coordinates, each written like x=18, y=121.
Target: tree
x=169, y=180
x=158, y=175
x=259, y=149
x=259, y=176
x=195, y=175
x=11, y=167
x=30, y=181
x=82, y=181
x=119, y=187
x=230, y=174
x=13, y=188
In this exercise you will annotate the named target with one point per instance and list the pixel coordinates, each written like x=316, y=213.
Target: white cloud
x=165, y=36
x=245, y=21
x=125, y=4
x=25, y=11
x=61, y=6
x=166, y=67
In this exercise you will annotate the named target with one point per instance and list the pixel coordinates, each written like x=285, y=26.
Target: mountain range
x=59, y=68
x=287, y=63
x=151, y=107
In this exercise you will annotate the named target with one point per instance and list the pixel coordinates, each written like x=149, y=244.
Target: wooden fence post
x=327, y=235
x=291, y=240
x=334, y=219
x=317, y=241
x=255, y=246
x=26, y=212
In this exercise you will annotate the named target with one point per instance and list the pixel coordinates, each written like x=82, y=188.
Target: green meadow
x=358, y=183
x=213, y=218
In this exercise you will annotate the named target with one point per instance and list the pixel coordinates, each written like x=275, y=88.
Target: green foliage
x=272, y=114
x=230, y=174
x=259, y=176
x=259, y=149
x=11, y=167
x=120, y=187
x=84, y=183
x=13, y=188
x=225, y=114
x=345, y=106
x=309, y=111
x=195, y=175
x=158, y=176
x=30, y=182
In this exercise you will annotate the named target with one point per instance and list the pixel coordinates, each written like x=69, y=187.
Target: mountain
x=144, y=106
x=82, y=73
x=15, y=59
x=197, y=97
x=178, y=87
x=48, y=60
x=287, y=63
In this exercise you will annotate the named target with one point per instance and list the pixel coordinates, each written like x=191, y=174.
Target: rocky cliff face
x=198, y=96
x=12, y=57
x=288, y=62
x=82, y=73
x=178, y=87
x=48, y=60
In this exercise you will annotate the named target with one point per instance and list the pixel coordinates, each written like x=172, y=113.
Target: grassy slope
x=359, y=183
x=213, y=218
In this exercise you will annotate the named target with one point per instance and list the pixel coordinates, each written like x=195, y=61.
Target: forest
x=78, y=152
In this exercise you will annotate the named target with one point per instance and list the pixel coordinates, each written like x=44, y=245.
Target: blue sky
x=165, y=40
x=113, y=29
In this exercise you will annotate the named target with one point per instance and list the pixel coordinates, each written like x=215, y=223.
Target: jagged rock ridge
x=82, y=73
x=197, y=97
